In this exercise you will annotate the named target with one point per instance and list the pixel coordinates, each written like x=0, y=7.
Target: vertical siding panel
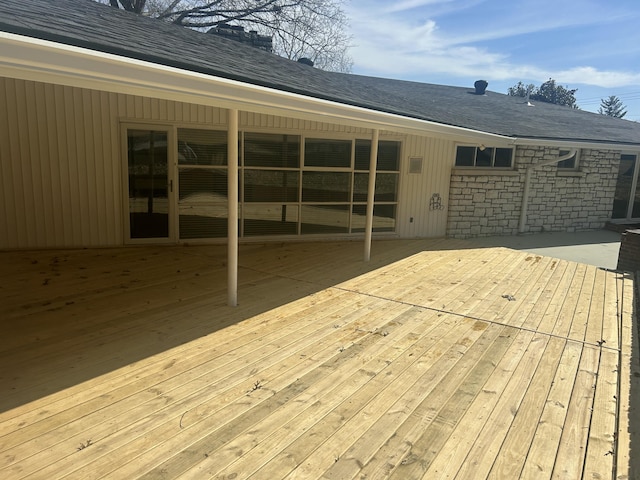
x=117, y=235
x=78, y=168
x=88, y=158
x=146, y=108
x=22, y=153
x=154, y=108
x=56, y=236
x=163, y=110
x=139, y=107
x=97, y=178
x=35, y=158
x=9, y=228
x=46, y=158
x=63, y=117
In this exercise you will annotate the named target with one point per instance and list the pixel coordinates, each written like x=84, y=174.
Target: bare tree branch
x=316, y=29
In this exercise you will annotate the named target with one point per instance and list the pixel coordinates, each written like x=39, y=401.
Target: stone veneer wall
x=483, y=202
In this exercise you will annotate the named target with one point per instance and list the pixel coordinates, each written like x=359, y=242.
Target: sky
x=590, y=45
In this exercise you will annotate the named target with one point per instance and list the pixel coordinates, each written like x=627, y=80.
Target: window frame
x=576, y=160
x=481, y=148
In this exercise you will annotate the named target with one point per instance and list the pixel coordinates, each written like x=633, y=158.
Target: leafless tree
x=315, y=29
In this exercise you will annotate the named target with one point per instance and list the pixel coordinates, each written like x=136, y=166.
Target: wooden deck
x=434, y=360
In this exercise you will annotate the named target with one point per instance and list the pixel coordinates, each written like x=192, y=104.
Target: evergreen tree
x=613, y=107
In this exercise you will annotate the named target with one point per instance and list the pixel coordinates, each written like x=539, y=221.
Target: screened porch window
x=289, y=185
x=202, y=183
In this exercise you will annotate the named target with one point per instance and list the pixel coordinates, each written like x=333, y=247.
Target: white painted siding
x=416, y=189
x=60, y=166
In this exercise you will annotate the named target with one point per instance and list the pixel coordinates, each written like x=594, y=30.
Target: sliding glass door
x=626, y=204
x=149, y=184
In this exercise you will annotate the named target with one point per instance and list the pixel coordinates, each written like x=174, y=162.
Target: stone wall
x=484, y=202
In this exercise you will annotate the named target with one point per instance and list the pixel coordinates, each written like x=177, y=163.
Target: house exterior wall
x=418, y=216
x=485, y=202
x=61, y=168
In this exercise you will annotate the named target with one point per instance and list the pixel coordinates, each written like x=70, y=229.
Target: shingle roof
x=85, y=23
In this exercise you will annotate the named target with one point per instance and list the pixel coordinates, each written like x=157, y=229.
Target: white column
x=232, y=198
x=373, y=160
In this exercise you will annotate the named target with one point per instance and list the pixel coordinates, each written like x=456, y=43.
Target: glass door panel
x=624, y=188
x=148, y=184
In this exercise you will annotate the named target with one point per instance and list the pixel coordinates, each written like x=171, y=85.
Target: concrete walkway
x=599, y=247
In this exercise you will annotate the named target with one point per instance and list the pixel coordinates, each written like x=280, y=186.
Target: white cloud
x=391, y=43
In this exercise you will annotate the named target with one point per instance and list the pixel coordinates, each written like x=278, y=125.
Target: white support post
x=373, y=160
x=232, y=198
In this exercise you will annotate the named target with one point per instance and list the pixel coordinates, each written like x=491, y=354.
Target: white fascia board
x=568, y=144
x=44, y=61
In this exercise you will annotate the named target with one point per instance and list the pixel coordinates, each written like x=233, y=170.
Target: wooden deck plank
x=569, y=458
x=599, y=462
x=240, y=346
x=540, y=458
x=485, y=449
x=290, y=429
x=582, y=280
x=448, y=460
x=515, y=447
x=261, y=325
x=546, y=313
x=417, y=378
x=628, y=465
x=594, y=326
x=200, y=395
x=447, y=404
x=329, y=366
x=218, y=443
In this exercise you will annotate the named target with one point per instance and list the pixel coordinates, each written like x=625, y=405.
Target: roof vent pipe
x=481, y=86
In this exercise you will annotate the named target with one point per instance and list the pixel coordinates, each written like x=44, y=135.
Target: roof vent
x=481, y=86
x=306, y=61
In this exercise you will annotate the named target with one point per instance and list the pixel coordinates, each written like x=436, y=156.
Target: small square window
x=466, y=157
x=570, y=163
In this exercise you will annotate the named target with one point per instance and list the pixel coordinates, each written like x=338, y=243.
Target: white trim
x=171, y=178
x=373, y=163
x=232, y=198
x=569, y=144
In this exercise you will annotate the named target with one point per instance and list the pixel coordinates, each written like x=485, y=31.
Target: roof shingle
x=85, y=23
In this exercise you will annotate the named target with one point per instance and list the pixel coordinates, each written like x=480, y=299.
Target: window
x=271, y=150
x=202, y=183
x=319, y=152
x=484, y=157
x=570, y=163
x=288, y=185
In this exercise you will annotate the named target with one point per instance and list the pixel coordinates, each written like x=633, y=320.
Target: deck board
x=437, y=359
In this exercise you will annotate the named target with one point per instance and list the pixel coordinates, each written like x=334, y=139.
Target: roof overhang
x=34, y=59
